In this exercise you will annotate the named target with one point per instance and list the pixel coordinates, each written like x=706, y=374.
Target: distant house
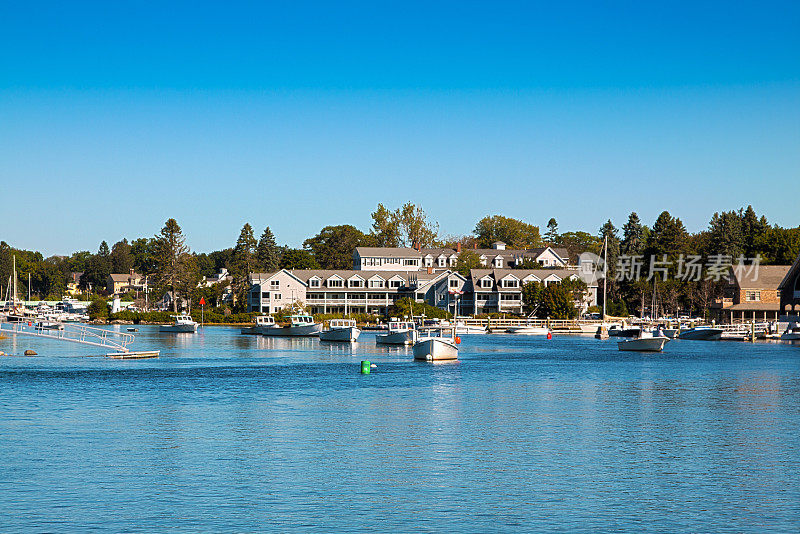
x=752, y=293
x=789, y=289
x=222, y=276
x=73, y=283
x=122, y=283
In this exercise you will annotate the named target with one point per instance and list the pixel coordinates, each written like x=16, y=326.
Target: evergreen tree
x=551, y=236
x=267, y=253
x=633, y=236
x=725, y=234
x=668, y=236
x=121, y=257
x=171, y=259
x=243, y=262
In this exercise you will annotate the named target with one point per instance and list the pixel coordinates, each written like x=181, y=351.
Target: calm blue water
x=232, y=433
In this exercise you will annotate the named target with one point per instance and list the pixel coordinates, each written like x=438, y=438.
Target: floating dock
x=138, y=355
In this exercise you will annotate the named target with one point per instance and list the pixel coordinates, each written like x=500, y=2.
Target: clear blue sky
x=117, y=115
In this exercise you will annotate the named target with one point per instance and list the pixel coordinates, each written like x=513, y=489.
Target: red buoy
x=458, y=340
x=549, y=335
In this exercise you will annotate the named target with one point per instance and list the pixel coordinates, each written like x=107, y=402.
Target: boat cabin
x=341, y=323
x=301, y=320
x=401, y=326
x=265, y=320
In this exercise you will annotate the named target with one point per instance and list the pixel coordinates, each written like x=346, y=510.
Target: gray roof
x=125, y=277
x=499, y=274
x=766, y=277
x=794, y=271
x=388, y=252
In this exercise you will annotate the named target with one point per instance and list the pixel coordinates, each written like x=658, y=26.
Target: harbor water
x=233, y=433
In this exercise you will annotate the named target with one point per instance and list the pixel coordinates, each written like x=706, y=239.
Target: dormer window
x=428, y=262
x=510, y=282
x=396, y=283
x=376, y=283
x=498, y=263
x=335, y=282
x=356, y=282
x=486, y=283
x=453, y=283
x=442, y=261
x=314, y=282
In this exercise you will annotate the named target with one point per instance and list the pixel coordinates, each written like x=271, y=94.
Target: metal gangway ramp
x=74, y=332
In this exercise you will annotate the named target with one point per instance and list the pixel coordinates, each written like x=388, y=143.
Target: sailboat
x=15, y=310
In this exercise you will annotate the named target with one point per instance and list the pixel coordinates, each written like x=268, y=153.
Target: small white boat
x=262, y=323
x=646, y=342
x=435, y=345
x=702, y=333
x=344, y=330
x=528, y=329
x=299, y=326
x=792, y=332
x=464, y=329
x=183, y=325
x=400, y=333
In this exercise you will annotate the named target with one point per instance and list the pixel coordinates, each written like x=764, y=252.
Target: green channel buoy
x=365, y=366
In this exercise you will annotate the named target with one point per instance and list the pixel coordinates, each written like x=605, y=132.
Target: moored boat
x=462, y=328
x=400, y=333
x=437, y=345
x=262, y=323
x=183, y=324
x=299, y=326
x=645, y=342
x=702, y=333
x=528, y=329
x=344, y=330
x=792, y=332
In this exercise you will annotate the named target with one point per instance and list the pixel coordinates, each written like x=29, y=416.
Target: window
x=395, y=283
x=498, y=263
x=428, y=262
x=335, y=282
x=442, y=262
x=486, y=283
x=276, y=296
x=510, y=282
x=483, y=296
x=356, y=296
x=509, y=296
x=356, y=283
x=751, y=296
x=314, y=282
x=275, y=284
x=376, y=283
x=410, y=263
x=453, y=282
x=265, y=295
x=377, y=296
x=420, y=296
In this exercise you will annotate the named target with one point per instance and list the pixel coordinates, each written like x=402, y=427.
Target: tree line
x=172, y=268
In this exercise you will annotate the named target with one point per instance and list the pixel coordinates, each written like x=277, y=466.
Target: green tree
x=243, y=262
x=725, y=234
x=634, y=235
x=267, y=253
x=531, y=297
x=121, y=257
x=467, y=260
x=551, y=236
x=578, y=242
x=333, y=246
x=514, y=233
x=556, y=302
x=98, y=309
x=385, y=227
x=298, y=259
x=145, y=253
x=668, y=237
x=171, y=261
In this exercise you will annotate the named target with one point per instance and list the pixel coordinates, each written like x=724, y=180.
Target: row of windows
x=376, y=284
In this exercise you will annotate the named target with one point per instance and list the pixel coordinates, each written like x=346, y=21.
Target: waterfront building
x=790, y=292
x=117, y=284
x=752, y=293
x=500, y=290
x=73, y=283
x=441, y=259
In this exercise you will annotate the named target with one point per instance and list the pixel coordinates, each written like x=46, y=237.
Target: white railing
x=76, y=333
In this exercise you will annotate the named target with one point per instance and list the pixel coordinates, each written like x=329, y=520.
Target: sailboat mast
x=15, y=283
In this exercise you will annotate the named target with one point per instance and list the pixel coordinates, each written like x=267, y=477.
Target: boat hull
x=702, y=334
x=790, y=336
x=292, y=331
x=178, y=329
x=435, y=349
x=528, y=330
x=344, y=335
x=465, y=330
x=397, y=338
x=651, y=344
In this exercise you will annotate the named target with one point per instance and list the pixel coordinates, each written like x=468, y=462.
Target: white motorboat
x=438, y=344
x=400, y=333
x=792, y=332
x=702, y=333
x=646, y=342
x=528, y=329
x=262, y=323
x=183, y=325
x=299, y=326
x=464, y=329
x=592, y=328
x=344, y=330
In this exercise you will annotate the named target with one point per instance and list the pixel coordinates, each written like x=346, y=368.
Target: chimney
x=458, y=247
x=475, y=245
x=131, y=272
x=430, y=270
x=419, y=247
